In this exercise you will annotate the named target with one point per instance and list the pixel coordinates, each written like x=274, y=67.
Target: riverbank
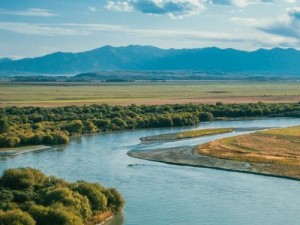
x=187, y=156
x=22, y=150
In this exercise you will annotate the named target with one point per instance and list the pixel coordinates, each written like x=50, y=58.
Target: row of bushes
x=36, y=125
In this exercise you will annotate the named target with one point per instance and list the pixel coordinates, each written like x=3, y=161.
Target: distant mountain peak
x=137, y=57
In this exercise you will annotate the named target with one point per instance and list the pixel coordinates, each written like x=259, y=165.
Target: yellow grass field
x=278, y=148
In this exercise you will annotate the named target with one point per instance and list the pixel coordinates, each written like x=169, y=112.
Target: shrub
x=22, y=178
x=16, y=217
x=206, y=116
x=94, y=194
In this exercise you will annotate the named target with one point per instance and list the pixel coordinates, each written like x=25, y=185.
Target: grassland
x=276, y=151
x=57, y=94
x=185, y=135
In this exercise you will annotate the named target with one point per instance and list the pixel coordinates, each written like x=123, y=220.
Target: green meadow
x=124, y=93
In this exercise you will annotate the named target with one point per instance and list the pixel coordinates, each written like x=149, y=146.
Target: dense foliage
x=50, y=126
x=28, y=197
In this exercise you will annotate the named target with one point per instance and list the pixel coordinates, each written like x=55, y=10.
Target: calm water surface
x=162, y=194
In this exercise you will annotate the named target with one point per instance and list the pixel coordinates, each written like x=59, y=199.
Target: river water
x=163, y=194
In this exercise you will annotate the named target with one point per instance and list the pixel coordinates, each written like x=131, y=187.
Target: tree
x=103, y=124
x=60, y=216
x=60, y=137
x=12, y=141
x=94, y=193
x=73, y=200
x=165, y=121
x=16, y=217
x=120, y=123
x=74, y=127
x=115, y=202
x=89, y=127
x=6, y=197
x=4, y=125
x=21, y=178
x=206, y=116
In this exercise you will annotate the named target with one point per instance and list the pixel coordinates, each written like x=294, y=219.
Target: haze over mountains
x=275, y=61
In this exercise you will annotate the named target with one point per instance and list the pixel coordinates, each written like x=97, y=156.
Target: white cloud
x=29, y=12
x=172, y=8
x=40, y=29
x=73, y=29
x=159, y=37
x=283, y=30
x=239, y=3
x=287, y=25
x=60, y=29
x=252, y=22
x=119, y=6
x=254, y=39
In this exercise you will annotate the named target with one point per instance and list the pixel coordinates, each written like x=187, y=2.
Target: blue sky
x=30, y=28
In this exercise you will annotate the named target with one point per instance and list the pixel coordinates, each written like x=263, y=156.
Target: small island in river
x=274, y=152
x=185, y=135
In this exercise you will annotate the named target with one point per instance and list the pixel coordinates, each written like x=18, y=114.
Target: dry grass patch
x=278, y=146
x=273, y=152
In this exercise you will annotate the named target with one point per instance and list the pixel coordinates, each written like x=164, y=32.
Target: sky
x=30, y=28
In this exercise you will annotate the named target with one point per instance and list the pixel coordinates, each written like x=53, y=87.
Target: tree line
x=22, y=126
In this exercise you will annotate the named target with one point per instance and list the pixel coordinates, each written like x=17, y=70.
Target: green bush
x=60, y=216
x=4, y=124
x=16, y=217
x=23, y=178
x=206, y=116
x=94, y=193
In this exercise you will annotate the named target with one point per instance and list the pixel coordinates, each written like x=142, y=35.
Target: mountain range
x=276, y=61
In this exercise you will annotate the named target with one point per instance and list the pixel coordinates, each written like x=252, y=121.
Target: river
x=162, y=194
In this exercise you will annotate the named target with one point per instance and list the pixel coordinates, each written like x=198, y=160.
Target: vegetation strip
x=185, y=135
x=29, y=197
x=28, y=126
x=274, y=152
